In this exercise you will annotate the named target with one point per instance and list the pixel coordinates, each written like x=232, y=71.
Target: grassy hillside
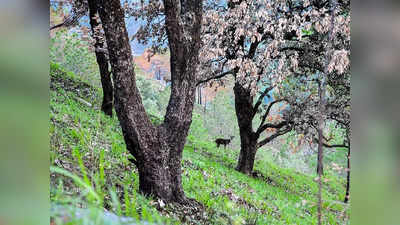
x=91, y=170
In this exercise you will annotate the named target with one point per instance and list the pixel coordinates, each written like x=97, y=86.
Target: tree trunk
x=102, y=61
x=320, y=163
x=205, y=104
x=157, y=150
x=320, y=155
x=183, y=25
x=248, y=138
x=247, y=154
x=322, y=113
x=200, y=97
x=347, y=197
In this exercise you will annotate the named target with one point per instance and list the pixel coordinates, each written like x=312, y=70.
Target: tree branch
x=270, y=125
x=268, y=110
x=260, y=99
x=56, y=26
x=70, y=20
x=335, y=146
x=215, y=77
x=252, y=49
x=273, y=136
x=326, y=145
x=254, y=45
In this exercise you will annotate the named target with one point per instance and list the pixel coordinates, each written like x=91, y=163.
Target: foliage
x=262, y=44
x=274, y=48
x=277, y=48
x=275, y=196
x=88, y=156
x=71, y=52
x=154, y=95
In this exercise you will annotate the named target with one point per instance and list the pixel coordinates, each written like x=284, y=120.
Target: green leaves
x=82, y=183
x=74, y=54
x=305, y=32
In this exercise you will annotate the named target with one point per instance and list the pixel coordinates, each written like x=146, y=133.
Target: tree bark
x=157, y=150
x=248, y=138
x=102, y=61
x=247, y=154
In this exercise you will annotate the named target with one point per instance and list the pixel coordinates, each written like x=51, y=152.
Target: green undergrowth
x=90, y=169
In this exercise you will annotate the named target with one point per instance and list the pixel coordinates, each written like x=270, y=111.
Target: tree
x=101, y=57
x=262, y=45
x=265, y=45
x=221, y=56
x=328, y=69
x=80, y=8
x=157, y=150
x=331, y=66
x=244, y=39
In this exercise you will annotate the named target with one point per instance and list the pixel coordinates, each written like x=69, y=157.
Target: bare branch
x=260, y=99
x=273, y=136
x=270, y=125
x=78, y=11
x=326, y=145
x=267, y=113
x=221, y=75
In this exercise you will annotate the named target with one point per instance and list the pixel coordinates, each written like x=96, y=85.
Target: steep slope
x=91, y=170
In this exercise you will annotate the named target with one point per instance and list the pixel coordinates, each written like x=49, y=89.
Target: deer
x=224, y=142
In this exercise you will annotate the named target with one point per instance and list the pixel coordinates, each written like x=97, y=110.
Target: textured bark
x=183, y=23
x=157, y=150
x=102, y=61
x=248, y=138
x=247, y=155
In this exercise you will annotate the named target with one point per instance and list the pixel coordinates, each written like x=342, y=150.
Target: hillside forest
x=200, y=112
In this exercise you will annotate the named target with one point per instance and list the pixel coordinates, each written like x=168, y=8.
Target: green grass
x=90, y=169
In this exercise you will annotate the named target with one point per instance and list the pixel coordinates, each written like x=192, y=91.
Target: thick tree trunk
x=157, y=150
x=183, y=25
x=102, y=61
x=248, y=138
x=347, y=197
x=247, y=154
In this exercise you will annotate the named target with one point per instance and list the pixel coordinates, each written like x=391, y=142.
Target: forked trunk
x=157, y=150
x=102, y=61
x=160, y=170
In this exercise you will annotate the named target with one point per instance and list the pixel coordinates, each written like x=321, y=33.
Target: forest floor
x=91, y=171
